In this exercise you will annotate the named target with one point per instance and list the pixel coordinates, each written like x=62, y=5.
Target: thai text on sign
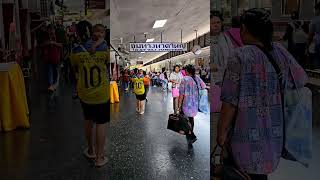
x=157, y=47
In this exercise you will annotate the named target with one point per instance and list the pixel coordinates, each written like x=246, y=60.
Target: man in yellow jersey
x=139, y=90
x=93, y=87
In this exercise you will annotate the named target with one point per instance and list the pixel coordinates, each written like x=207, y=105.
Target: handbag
x=203, y=105
x=216, y=102
x=221, y=171
x=175, y=92
x=178, y=123
x=203, y=102
x=297, y=116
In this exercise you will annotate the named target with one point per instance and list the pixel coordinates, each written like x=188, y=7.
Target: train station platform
x=139, y=147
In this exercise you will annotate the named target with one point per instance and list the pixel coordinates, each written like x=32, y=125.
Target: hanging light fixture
x=196, y=49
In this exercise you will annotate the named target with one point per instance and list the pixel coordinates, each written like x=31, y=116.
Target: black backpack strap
x=280, y=78
x=274, y=64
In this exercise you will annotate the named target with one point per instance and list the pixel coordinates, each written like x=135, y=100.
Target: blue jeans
x=52, y=74
x=126, y=84
x=164, y=84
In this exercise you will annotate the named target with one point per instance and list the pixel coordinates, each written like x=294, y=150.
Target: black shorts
x=98, y=113
x=141, y=97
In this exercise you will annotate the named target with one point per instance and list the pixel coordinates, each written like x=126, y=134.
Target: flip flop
x=102, y=163
x=87, y=155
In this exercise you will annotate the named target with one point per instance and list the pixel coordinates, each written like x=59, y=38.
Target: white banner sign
x=157, y=47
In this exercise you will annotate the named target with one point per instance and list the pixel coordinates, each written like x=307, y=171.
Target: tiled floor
x=145, y=149
x=139, y=147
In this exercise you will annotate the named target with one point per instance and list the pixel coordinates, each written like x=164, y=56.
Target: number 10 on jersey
x=92, y=77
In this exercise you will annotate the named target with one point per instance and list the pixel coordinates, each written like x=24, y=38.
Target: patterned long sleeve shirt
x=251, y=84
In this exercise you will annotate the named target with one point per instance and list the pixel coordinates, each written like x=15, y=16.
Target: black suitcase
x=178, y=123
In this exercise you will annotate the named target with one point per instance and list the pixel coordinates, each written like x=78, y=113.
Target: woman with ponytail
x=251, y=122
x=189, y=98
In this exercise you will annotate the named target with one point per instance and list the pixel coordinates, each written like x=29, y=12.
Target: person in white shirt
x=221, y=47
x=175, y=78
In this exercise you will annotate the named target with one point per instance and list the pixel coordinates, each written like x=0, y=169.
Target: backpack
x=146, y=81
x=298, y=34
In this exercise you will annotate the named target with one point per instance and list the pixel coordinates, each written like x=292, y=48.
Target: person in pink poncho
x=234, y=32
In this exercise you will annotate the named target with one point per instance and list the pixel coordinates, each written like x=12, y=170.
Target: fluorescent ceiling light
x=150, y=40
x=159, y=23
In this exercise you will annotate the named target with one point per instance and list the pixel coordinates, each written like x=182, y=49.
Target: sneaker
x=141, y=113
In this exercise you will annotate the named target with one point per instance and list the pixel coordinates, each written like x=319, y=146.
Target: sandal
x=102, y=163
x=89, y=156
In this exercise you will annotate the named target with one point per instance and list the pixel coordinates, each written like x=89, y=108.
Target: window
x=288, y=6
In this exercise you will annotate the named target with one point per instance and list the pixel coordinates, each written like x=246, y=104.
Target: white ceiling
x=133, y=18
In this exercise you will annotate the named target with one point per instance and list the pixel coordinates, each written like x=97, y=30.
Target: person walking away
x=176, y=78
x=139, y=90
x=251, y=98
x=93, y=88
x=155, y=79
x=203, y=73
x=314, y=35
x=297, y=38
x=189, y=99
x=132, y=75
x=146, y=82
x=163, y=81
x=126, y=80
x=51, y=53
x=62, y=39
